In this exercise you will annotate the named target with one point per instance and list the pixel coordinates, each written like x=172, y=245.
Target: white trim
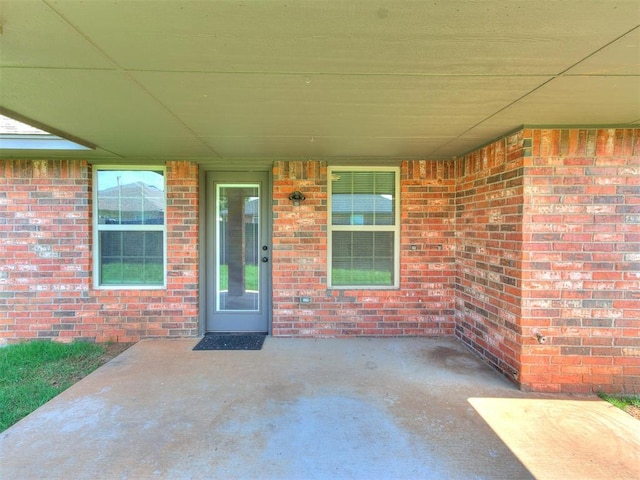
x=217, y=245
x=364, y=228
x=97, y=228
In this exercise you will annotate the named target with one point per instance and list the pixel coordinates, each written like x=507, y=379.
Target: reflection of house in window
x=251, y=210
x=130, y=224
x=361, y=209
x=132, y=204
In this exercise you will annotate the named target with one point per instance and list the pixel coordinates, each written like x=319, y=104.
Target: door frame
x=208, y=177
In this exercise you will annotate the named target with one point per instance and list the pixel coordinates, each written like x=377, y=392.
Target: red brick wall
x=538, y=232
x=489, y=207
x=581, y=269
x=46, y=284
x=424, y=303
x=548, y=229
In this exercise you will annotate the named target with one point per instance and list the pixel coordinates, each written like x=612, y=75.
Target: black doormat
x=231, y=341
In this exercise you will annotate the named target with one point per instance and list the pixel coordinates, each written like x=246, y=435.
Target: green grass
x=250, y=277
x=33, y=373
x=132, y=274
x=361, y=277
x=621, y=401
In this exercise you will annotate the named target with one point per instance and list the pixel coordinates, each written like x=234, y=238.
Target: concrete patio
x=315, y=408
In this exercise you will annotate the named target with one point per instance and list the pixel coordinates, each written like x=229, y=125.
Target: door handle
x=265, y=259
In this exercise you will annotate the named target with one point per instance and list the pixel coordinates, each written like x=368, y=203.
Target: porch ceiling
x=327, y=79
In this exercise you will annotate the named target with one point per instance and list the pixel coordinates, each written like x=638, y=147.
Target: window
x=129, y=228
x=363, y=227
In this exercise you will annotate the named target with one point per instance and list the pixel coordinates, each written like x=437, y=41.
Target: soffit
x=326, y=79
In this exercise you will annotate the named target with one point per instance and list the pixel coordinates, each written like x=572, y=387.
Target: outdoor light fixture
x=296, y=197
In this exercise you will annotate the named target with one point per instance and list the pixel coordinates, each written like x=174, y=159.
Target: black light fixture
x=296, y=197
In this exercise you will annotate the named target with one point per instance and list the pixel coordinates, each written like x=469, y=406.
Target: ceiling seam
x=554, y=77
x=323, y=74
x=338, y=74
x=129, y=76
x=598, y=51
x=118, y=67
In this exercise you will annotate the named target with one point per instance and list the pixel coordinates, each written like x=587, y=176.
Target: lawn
x=250, y=277
x=628, y=403
x=32, y=373
x=361, y=277
x=132, y=273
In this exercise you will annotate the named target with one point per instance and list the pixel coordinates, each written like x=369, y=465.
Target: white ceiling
x=324, y=79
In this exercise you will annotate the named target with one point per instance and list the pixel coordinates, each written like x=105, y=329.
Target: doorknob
x=265, y=248
x=265, y=259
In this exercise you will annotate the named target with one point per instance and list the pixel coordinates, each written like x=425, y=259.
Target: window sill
x=129, y=287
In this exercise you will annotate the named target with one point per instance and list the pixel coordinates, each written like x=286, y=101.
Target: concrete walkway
x=305, y=409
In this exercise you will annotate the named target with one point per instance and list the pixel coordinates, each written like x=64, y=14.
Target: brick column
x=581, y=286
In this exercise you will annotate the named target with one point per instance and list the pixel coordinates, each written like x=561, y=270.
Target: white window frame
x=364, y=228
x=97, y=228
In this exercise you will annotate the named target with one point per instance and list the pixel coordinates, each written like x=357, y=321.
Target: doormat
x=231, y=341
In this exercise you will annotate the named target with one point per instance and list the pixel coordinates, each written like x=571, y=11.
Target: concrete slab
x=315, y=408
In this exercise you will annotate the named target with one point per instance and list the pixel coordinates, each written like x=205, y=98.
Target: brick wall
x=46, y=284
x=581, y=269
x=424, y=303
x=489, y=205
x=548, y=237
x=536, y=233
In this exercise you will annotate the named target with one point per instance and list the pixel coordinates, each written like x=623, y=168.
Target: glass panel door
x=238, y=252
x=238, y=260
